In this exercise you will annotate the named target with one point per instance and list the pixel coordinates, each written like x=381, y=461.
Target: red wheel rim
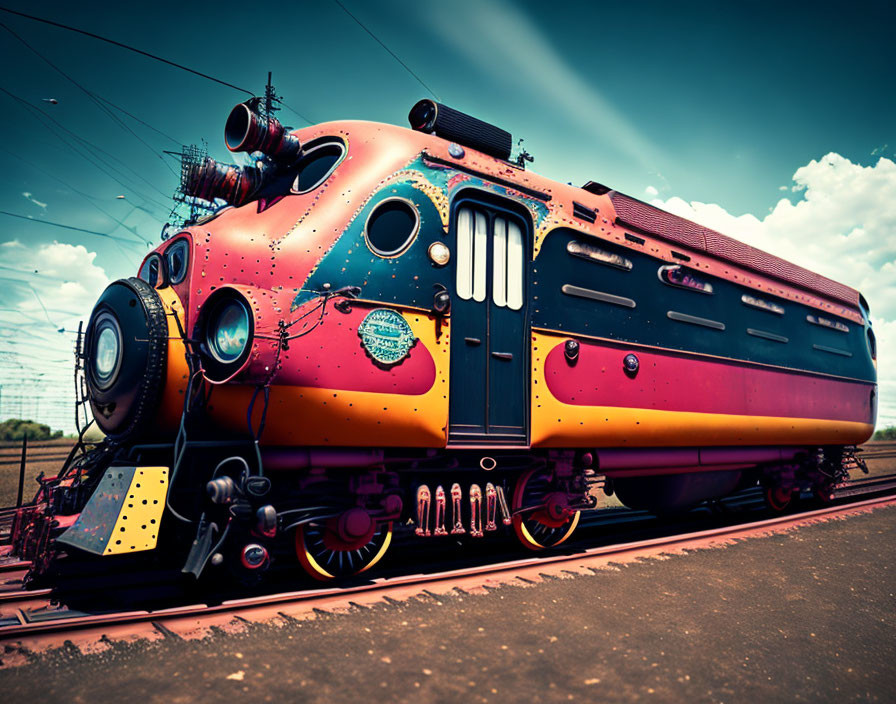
x=535, y=529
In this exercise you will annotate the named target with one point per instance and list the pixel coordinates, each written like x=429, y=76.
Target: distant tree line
x=885, y=434
x=17, y=429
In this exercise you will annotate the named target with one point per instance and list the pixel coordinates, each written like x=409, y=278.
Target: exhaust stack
x=208, y=180
x=247, y=131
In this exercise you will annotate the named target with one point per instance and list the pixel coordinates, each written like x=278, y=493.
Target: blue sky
x=718, y=111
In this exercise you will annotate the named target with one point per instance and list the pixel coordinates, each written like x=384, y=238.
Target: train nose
x=125, y=349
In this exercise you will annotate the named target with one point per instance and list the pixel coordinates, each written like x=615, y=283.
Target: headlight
x=227, y=333
x=107, y=354
x=125, y=358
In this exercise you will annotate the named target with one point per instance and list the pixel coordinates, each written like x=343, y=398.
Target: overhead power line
x=67, y=227
x=94, y=98
x=124, y=46
x=90, y=200
x=296, y=112
x=91, y=148
x=391, y=53
x=134, y=117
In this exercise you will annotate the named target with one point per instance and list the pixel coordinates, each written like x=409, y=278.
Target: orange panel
x=172, y=405
x=303, y=415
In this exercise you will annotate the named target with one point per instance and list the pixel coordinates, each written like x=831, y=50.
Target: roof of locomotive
x=618, y=208
x=638, y=215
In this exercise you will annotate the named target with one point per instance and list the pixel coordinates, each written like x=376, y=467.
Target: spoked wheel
x=343, y=546
x=779, y=498
x=541, y=515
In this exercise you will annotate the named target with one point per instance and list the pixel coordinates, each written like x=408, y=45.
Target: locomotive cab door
x=489, y=383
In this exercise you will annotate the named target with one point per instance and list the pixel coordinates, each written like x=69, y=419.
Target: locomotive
x=388, y=329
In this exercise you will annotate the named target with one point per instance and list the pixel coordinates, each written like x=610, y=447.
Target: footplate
x=123, y=514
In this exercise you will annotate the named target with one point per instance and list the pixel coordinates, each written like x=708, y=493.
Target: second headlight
x=228, y=330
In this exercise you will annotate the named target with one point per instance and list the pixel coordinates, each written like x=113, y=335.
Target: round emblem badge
x=386, y=336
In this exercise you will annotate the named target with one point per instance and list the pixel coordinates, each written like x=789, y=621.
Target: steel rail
x=80, y=621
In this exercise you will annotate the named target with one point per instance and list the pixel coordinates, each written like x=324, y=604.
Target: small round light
x=439, y=253
x=228, y=332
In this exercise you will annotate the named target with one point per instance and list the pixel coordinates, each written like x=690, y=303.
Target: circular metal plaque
x=386, y=336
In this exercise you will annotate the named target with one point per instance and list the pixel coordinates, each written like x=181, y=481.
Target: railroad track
x=30, y=616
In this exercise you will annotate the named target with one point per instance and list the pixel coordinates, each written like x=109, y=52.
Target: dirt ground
x=803, y=616
x=44, y=456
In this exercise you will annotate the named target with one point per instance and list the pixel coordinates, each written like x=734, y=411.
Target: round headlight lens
x=228, y=332
x=107, y=351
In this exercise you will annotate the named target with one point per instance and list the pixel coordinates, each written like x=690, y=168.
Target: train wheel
x=779, y=498
x=548, y=522
x=824, y=492
x=327, y=553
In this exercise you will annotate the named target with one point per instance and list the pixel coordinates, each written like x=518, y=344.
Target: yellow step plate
x=124, y=513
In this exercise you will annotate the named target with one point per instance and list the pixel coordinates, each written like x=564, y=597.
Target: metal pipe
x=286, y=458
x=689, y=457
x=660, y=471
x=22, y=470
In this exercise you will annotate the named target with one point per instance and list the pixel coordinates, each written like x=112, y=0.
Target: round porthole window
x=391, y=227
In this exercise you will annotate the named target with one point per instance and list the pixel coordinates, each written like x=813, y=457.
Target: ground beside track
x=45, y=456
x=808, y=615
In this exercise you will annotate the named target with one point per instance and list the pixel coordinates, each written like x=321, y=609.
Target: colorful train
x=389, y=328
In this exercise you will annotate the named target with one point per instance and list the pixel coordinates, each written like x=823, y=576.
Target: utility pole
x=270, y=99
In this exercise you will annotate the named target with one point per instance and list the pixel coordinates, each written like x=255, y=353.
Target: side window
x=508, y=258
x=319, y=159
x=472, y=251
x=152, y=270
x=508, y=263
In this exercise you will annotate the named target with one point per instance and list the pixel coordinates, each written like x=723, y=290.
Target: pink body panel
x=335, y=359
x=673, y=381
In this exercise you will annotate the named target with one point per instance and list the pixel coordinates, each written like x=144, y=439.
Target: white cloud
x=64, y=276
x=30, y=197
x=843, y=226
x=651, y=192
x=52, y=286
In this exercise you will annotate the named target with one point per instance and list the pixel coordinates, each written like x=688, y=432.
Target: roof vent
x=596, y=188
x=434, y=118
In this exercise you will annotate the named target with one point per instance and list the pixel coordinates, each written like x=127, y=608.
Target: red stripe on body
x=672, y=381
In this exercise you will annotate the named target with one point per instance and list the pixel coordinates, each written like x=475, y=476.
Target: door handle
x=472, y=340
x=502, y=355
